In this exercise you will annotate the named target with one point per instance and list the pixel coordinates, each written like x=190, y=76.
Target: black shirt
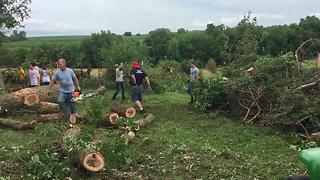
x=139, y=74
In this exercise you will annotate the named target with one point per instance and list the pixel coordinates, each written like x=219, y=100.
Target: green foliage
x=119, y=154
x=124, y=51
x=271, y=83
x=45, y=165
x=18, y=36
x=212, y=94
x=166, y=76
x=211, y=65
x=13, y=13
x=158, y=41
x=96, y=107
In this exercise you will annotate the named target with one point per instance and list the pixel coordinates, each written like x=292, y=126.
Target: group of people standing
x=137, y=76
x=34, y=76
x=69, y=83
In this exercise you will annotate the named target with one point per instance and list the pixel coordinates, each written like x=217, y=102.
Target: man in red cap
x=137, y=75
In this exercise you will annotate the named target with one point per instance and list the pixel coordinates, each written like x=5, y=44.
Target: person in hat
x=137, y=77
x=119, y=82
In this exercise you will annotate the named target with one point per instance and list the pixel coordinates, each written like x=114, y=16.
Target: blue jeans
x=119, y=85
x=65, y=101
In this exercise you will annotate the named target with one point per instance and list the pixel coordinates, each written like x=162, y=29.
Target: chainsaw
x=77, y=95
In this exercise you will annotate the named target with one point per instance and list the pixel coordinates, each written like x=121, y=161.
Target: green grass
x=36, y=41
x=65, y=40
x=180, y=144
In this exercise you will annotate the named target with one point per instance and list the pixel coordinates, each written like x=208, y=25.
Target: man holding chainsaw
x=69, y=86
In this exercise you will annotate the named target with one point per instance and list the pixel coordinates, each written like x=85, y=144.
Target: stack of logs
x=40, y=100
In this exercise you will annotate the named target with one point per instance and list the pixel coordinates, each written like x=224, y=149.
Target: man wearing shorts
x=137, y=75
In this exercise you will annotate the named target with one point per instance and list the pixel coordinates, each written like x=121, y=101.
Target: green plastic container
x=311, y=159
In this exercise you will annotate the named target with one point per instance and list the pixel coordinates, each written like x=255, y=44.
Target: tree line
x=218, y=42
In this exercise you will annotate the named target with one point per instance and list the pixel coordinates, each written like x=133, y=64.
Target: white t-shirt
x=45, y=76
x=119, y=75
x=193, y=73
x=33, y=76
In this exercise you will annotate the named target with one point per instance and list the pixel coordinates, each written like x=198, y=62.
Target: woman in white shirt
x=45, y=76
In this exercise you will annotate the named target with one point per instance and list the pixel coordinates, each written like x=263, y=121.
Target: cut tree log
x=124, y=111
x=44, y=93
x=111, y=119
x=148, y=119
x=45, y=108
x=50, y=117
x=90, y=159
x=14, y=101
x=16, y=125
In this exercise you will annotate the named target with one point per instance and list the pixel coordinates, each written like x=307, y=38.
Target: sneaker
x=142, y=111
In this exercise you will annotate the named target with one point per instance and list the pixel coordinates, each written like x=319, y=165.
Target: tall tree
x=13, y=13
x=158, y=41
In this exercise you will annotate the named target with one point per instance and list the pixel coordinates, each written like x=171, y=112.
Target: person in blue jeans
x=68, y=83
x=119, y=82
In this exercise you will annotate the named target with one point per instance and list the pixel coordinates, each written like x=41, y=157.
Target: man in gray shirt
x=68, y=83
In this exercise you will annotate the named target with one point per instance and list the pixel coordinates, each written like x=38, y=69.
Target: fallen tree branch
x=309, y=84
x=299, y=123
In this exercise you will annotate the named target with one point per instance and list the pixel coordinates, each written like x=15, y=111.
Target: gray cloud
x=61, y=17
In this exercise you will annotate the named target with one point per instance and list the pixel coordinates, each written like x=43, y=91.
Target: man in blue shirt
x=68, y=83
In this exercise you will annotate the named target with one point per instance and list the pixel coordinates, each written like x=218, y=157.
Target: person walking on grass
x=68, y=84
x=119, y=82
x=34, y=76
x=137, y=75
x=193, y=80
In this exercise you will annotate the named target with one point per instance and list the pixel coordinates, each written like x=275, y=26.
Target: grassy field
x=180, y=144
x=65, y=40
x=36, y=41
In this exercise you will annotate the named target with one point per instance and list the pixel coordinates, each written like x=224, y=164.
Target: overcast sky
x=82, y=17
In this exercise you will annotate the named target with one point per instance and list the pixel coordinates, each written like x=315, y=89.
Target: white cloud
x=201, y=24
x=142, y=16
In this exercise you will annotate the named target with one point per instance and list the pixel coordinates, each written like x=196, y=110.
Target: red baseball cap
x=135, y=64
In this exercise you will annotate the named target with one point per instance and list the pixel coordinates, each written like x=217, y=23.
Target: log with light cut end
x=16, y=125
x=50, y=117
x=91, y=160
x=124, y=111
x=111, y=119
x=72, y=118
x=31, y=99
x=44, y=93
x=15, y=101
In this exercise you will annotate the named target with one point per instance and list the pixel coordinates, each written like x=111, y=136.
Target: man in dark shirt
x=137, y=75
